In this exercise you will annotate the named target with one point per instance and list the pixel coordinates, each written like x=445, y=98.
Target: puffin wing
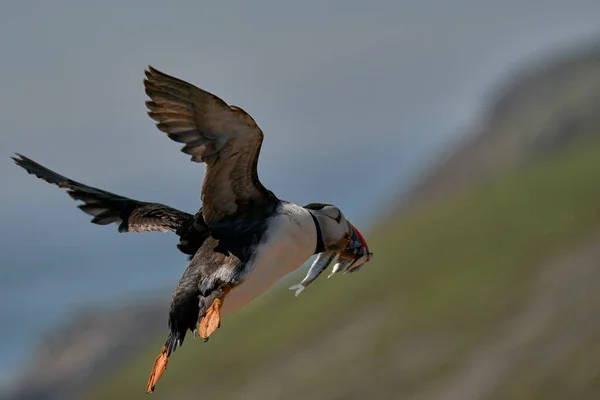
x=224, y=137
x=107, y=208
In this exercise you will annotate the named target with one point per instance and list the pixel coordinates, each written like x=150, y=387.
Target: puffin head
x=340, y=236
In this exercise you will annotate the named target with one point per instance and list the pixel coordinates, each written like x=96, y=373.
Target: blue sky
x=353, y=98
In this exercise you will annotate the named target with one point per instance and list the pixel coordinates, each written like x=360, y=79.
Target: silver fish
x=320, y=264
x=357, y=264
x=339, y=267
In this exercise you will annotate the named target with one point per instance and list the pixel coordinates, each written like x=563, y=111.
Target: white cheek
x=337, y=233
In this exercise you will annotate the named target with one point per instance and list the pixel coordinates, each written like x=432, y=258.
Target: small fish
x=357, y=264
x=339, y=267
x=320, y=264
x=354, y=257
x=351, y=259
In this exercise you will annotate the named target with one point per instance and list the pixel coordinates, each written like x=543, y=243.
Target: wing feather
x=225, y=138
x=107, y=208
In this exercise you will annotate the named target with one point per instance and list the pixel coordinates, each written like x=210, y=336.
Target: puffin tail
x=160, y=364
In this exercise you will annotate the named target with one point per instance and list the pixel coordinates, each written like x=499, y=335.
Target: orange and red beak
x=362, y=255
x=360, y=237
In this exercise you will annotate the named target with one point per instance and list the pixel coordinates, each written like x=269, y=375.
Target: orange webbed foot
x=160, y=365
x=212, y=318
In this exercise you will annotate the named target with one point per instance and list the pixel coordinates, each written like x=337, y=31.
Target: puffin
x=243, y=239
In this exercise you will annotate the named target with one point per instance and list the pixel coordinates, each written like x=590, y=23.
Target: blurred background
x=462, y=137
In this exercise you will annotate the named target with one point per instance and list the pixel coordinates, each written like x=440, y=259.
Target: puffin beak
x=358, y=250
x=353, y=253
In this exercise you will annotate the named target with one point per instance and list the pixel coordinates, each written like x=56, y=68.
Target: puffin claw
x=299, y=288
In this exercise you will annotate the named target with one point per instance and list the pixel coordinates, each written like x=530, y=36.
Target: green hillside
x=451, y=307
x=544, y=105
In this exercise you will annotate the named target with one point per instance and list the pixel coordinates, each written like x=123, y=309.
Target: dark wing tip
x=148, y=75
x=152, y=73
x=27, y=163
x=150, y=70
x=19, y=158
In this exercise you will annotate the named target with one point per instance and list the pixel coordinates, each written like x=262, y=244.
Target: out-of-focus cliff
x=540, y=109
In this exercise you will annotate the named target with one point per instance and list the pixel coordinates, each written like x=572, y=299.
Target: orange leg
x=160, y=365
x=212, y=319
x=208, y=324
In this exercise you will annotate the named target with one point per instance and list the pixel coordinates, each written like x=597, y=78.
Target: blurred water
x=49, y=282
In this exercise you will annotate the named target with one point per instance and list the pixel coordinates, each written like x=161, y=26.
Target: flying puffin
x=243, y=239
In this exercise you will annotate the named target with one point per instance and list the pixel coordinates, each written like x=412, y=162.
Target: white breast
x=289, y=242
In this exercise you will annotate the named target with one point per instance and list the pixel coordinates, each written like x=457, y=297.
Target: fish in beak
x=353, y=254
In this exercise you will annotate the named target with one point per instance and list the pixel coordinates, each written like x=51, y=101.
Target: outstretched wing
x=107, y=208
x=224, y=137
